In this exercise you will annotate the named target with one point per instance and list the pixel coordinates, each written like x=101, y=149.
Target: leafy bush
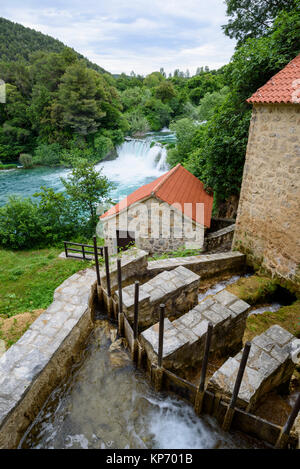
x=26, y=160
x=47, y=154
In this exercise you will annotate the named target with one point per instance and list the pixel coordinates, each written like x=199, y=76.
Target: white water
x=137, y=164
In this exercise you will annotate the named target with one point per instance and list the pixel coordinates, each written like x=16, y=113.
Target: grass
x=287, y=317
x=254, y=289
x=8, y=166
x=257, y=290
x=180, y=252
x=28, y=278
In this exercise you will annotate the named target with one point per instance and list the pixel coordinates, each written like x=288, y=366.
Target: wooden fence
x=85, y=251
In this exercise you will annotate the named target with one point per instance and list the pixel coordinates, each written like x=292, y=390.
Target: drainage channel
x=106, y=402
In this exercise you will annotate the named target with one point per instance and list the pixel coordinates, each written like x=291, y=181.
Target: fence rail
x=86, y=250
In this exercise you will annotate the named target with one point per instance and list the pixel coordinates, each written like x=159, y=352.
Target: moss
x=254, y=289
x=287, y=317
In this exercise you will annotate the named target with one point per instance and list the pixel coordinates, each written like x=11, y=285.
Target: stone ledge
x=269, y=365
x=203, y=264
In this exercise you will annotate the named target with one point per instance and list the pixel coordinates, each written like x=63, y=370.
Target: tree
x=77, y=106
x=87, y=187
x=253, y=18
x=165, y=91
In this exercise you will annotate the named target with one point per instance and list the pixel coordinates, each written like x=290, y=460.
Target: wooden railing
x=83, y=249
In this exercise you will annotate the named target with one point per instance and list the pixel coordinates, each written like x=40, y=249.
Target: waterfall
x=138, y=162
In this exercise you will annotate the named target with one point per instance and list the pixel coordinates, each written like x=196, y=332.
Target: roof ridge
x=167, y=176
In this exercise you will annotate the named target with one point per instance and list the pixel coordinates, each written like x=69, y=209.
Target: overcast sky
x=139, y=35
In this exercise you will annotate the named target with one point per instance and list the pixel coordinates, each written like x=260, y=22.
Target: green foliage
x=157, y=113
x=185, y=130
x=28, y=278
x=7, y=166
x=86, y=187
x=26, y=160
x=13, y=34
x=47, y=154
x=25, y=223
x=153, y=79
x=137, y=122
x=209, y=102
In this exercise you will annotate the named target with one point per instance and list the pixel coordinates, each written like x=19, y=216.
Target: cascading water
x=138, y=163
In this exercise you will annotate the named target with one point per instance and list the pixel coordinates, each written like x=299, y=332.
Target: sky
x=138, y=35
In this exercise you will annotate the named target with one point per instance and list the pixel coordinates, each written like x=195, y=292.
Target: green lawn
x=29, y=278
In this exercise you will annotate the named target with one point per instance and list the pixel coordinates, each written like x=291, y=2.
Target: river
x=139, y=161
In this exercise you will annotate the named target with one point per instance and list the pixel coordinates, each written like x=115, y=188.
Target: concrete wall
x=157, y=228
x=268, y=222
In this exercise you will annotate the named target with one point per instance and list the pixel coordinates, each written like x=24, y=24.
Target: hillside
x=18, y=42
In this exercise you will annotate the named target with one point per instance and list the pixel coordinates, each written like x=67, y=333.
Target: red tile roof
x=284, y=87
x=177, y=186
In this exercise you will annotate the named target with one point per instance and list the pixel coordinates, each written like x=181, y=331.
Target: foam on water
x=137, y=163
x=107, y=403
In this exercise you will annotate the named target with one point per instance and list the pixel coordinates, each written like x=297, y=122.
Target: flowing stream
x=139, y=161
x=107, y=403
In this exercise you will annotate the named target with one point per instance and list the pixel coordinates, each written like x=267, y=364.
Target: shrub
x=47, y=154
x=26, y=160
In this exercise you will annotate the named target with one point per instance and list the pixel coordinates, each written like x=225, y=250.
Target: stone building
x=171, y=212
x=268, y=219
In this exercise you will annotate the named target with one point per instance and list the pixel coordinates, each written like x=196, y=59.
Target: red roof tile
x=284, y=87
x=177, y=186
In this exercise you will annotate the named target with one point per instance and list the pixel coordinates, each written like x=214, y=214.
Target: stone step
x=184, y=338
x=177, y=289
x=269, y=365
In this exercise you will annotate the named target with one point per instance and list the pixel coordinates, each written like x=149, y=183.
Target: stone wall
x=156, y=227
x=220, y=238
x=268, y=222
x=177, y=289
x=36, y=364
x=206, y=265
x=184, y=338
x=269, y=365
x=133, y=264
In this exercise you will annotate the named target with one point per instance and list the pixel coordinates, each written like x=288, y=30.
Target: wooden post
x=83, y=252
x=159, y=371
x=99, y=289
x=106, y=258
x=120, y=313
x=136, y=309
x=200, y=391
x=108, y=289
x=135, y=322
x=161, y=334
x=284, y=434
x=230, y=409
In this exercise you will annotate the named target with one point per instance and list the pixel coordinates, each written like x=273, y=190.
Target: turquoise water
x=137, y=164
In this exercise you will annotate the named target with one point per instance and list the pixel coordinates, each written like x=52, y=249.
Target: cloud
x=134, y=35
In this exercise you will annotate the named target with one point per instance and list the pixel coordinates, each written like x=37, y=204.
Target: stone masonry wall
x=268, y=222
